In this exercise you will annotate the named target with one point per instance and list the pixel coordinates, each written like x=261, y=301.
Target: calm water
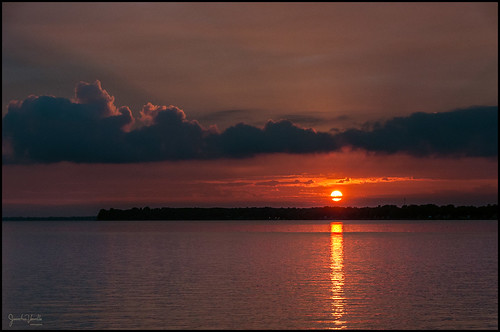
x=250, y=275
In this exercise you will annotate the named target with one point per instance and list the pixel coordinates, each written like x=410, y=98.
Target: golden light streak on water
x=337, y=275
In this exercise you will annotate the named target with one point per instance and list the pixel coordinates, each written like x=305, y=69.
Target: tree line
x=388, y=212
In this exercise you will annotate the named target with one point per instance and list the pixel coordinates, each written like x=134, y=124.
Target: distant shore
x=386, y=212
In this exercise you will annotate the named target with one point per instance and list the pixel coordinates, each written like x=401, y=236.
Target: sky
x=121, y=105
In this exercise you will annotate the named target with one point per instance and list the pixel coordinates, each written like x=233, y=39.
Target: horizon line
x=92, y=217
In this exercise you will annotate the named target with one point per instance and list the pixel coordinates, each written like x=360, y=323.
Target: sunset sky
x=247, y=104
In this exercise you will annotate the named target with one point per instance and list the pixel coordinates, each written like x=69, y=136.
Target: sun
x=337, y=195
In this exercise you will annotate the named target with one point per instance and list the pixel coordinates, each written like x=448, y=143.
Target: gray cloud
x=49, y=129
x=464, y=132
x=224, y=114
x=91, y=129
x=243, y=140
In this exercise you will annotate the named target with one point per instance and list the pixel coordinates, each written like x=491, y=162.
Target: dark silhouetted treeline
x=389, y=212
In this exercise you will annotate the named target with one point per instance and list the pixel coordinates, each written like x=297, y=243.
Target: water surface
x=250, y=275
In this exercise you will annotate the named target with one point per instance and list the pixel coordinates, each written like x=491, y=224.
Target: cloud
x=315, y=118
x=274, y=183
x=168, y=135
x=91, y=129
x=243, y=140
x=96, y=97
x=469, y=132
x=48, y=129
x=217, y=116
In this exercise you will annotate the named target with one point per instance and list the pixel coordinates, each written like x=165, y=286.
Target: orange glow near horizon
x=288, y=181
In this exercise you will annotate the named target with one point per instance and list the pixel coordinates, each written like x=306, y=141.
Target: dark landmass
x=386, y=212
x=48, y=218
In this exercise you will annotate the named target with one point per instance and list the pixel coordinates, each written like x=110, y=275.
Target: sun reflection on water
x=337, y=275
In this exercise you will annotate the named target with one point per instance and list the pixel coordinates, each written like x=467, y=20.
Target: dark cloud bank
x=91, y=129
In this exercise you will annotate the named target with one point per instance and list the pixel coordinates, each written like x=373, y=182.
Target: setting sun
x=337, y=195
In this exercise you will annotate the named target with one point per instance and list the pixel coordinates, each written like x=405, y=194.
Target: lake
x=250, y=275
